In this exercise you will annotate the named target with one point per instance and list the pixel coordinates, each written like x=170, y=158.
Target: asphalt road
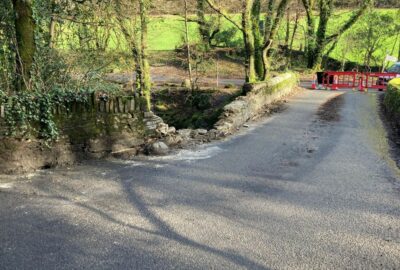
x=299, y=190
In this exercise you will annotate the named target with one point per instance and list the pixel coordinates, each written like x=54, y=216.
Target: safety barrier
x=378, y=80
x=335, y=80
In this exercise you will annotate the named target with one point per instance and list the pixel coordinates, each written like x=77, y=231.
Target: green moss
x=161, y=107
x=81, y=127
x=290, y=82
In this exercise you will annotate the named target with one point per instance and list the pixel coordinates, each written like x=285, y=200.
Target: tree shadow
x=165, y=230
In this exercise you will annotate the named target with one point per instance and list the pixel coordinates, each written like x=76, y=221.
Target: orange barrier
x=340, y=79
x=335, y=80
x=378, y=80
x=314, y=83
x=361, y=84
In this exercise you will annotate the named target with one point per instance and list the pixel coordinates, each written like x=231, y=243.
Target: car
x=384, y=80
x=395, y=68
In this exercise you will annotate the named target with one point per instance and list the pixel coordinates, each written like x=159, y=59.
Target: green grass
x=166, y=33
x=389, y=43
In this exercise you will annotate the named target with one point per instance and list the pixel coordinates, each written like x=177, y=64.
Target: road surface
x=300, y=190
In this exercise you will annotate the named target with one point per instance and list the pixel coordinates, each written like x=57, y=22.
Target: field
x=166, y=34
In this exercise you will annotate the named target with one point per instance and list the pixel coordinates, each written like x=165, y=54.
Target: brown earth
x=23, y=155
x=329, y=111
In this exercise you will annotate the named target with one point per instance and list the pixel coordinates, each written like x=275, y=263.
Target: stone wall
x=258, y=96
x=116, y=126
x=104, y=126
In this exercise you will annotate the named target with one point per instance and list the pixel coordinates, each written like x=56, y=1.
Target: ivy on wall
x=29, y=112
x=32, y=113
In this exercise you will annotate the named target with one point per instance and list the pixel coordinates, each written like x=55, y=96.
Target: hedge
x=392, y=98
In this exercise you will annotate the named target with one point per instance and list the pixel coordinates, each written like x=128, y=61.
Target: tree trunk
x=137, y=56
x=287, y=36
x=318, y=40
x=258, y=39
x=269, y=17
x=311, y=38
x=246, y=28
x=398, y=57
x=265, y=58
x=188, y=55
x=146, y=80
x=272, y=30
x=53, y=24
x=204, y=30
x=311, y=35
x=248, y=37
x=325, y=7
x=26, y=47
x=296, y=25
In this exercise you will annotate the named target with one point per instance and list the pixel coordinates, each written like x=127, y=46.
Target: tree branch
x=351, y=21
x=280, y=12
x=224, y=14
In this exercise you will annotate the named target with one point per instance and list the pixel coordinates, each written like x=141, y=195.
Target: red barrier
x=361, y=84
x=340, y=79
x=378, y=80
x=335, y=80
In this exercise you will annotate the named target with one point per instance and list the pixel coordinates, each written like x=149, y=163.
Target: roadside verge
x=390, y=105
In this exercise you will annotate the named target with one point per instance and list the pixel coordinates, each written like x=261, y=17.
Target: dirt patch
x=169, y=68
x=20, y=156
x=330, y=111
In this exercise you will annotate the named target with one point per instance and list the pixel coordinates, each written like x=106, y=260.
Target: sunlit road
x=293, y=192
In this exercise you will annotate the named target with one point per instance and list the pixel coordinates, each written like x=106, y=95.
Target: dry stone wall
x=250, y=106
x=116, y=126
x=257, y=97
x=104, y=126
